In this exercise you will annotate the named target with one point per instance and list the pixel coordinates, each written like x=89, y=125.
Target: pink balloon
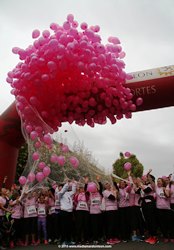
x=46, y=33
x=61, y=160
x=65, y=149
x=47, y=139
x=46, y=171
x=35, y=33
x=37, y=144
x=113, y=40
x=127, y=166
x=29, y=129
x=92, y=188
x=122, y=55
x=33, y=135
x=39, y=129
x=53, y=158
x=35, y=156
x=127, y=154
x=31, y=177
x=84, y=26
x=40, y=176
x=133, y=107
x=74, y=161
x=41, y=165
x=22, y=180
x=139, y=101
x=70, y=17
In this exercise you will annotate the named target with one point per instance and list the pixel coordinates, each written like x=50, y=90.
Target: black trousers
x=1, y=231
x=82, y=225
x=136, y=220
x=124, y=222
x=150, y=214
x=111, y=224
x=30, y=225
x=164, y=220
x=52, y=226
x=18, y=230
x=172, y=221
x=66, y=226
x=96, y=228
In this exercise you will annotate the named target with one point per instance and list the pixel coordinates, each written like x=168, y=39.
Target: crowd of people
x=98, y=212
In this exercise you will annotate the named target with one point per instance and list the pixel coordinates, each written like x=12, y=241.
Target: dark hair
x=15, y=194
x=152, y=177
x=163, y=181
x=52, y=190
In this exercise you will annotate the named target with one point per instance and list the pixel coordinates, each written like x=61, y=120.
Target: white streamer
x=116, y=176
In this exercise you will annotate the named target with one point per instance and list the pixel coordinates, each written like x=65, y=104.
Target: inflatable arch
x=155, y=86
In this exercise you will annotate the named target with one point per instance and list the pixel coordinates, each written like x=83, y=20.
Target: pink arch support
x=155, y=86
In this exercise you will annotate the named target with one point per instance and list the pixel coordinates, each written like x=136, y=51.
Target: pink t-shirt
x=123, y=198
x=162, y=202
x=17, y=210
x=172, y=194
x=41, y=210
x=95, y=203
x=30, y=207
x=132, y=197
x=2, y=202
x=110, y=205
x=82, y=203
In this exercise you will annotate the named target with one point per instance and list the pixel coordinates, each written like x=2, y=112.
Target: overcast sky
x=145, y=29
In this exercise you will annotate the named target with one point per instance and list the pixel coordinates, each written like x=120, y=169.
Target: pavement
x=120, y=246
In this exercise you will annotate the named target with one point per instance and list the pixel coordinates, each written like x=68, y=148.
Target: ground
x=121, y=246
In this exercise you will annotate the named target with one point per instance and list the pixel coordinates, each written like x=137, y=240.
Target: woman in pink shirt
x=30, y=217
x=51, y=217
x=42, y=218
x=95, y=198
x=124, y=211
x=82, y=214
x=136, y=218
x=163, y=208
x=17, y=214
x=58, y=232
x=110, y=195
x=149, y=207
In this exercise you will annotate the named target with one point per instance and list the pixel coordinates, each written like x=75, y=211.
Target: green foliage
x=21, y=161
x=118, y=166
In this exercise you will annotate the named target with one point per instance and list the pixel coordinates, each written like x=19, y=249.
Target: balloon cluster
x=42, y=168
x=68, y=75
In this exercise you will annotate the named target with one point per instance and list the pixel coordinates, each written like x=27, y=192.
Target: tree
x=87, y=164
x=21, y=161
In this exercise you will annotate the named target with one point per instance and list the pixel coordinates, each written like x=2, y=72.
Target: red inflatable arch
x=155, y=86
